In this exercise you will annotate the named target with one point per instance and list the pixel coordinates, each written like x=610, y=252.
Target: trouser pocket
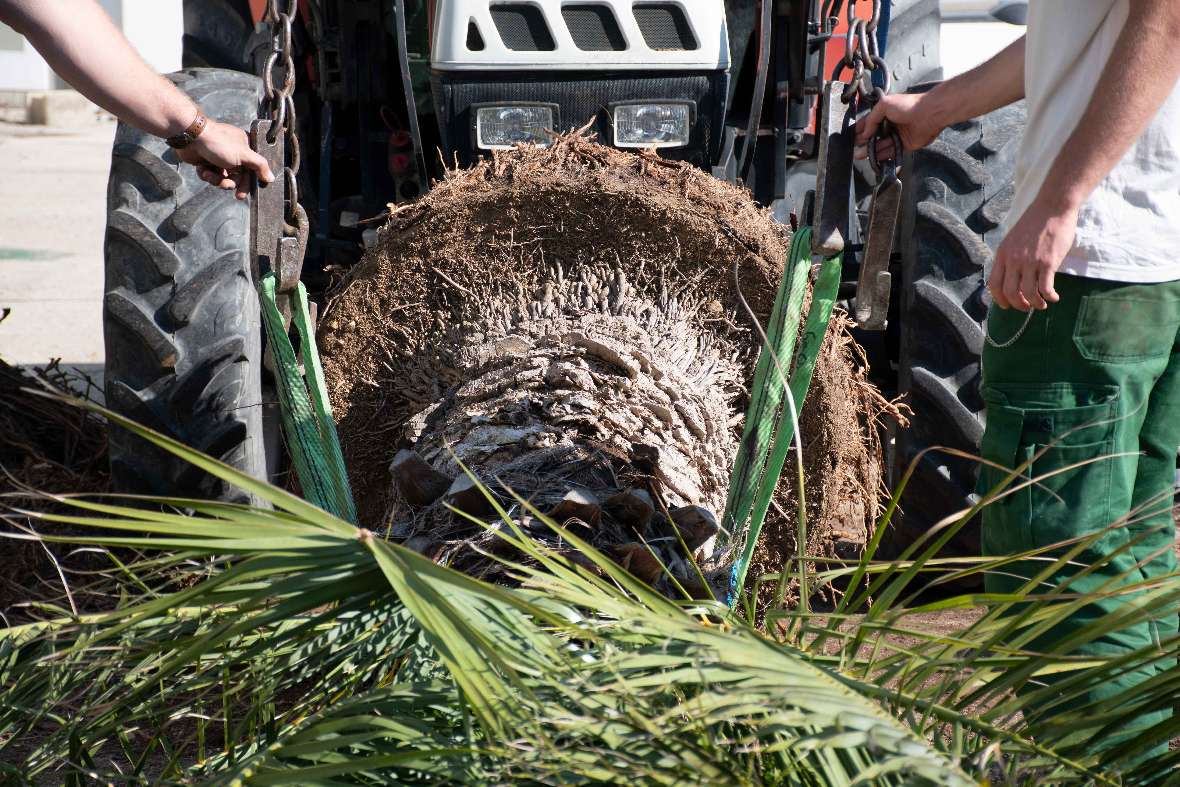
x=1060, y=434
x=1127, y=325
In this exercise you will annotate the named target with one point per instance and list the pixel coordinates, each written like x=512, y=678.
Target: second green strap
x=303, y=401
x=771, y=456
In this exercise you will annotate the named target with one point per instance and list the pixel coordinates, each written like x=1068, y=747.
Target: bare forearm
x=1139, y=76
x=78, y=39
x=994, y=83
x=84, y=47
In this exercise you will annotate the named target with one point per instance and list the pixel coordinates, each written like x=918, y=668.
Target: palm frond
x=562, y=679
x=315, y=652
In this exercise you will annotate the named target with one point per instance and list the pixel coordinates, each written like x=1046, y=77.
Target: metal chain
x=862, y=56
x=280, y=102
x=987, y=332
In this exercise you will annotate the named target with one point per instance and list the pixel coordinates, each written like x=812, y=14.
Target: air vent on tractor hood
x=618, y=36
x=474, y=38
x=593, y=27
x=522, y=27
x=665, y=26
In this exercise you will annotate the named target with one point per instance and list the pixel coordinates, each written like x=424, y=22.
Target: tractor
x=365, y=102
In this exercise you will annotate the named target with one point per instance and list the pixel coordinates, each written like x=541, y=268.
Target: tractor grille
x=579, y=97
x=593, y=28
x=522, y=28
x=664, y=26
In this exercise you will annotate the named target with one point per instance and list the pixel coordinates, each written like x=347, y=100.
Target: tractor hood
x=587, y=35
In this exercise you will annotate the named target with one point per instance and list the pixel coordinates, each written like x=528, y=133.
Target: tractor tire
x=181, y=318
x=218, y=34
x=911, y=49
x=957, y=192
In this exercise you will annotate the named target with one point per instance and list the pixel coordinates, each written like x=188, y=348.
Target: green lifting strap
x=303, y=402
x=769, y=429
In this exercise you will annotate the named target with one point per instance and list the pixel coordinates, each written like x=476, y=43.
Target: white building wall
x=20, y=67
x=154, y=27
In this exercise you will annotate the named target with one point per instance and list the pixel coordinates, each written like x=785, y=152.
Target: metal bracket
x=873, y=286
x=292, y=250
x=275, y=245
x=833, y=181
x=266, y=205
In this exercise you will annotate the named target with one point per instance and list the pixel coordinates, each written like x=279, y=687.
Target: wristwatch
x=186, y=137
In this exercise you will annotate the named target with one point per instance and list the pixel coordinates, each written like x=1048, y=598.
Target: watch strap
x=186, y=137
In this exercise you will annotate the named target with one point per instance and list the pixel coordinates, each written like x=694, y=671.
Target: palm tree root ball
x=567, y=324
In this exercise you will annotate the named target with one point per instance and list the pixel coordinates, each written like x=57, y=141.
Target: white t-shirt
x=1129, y=228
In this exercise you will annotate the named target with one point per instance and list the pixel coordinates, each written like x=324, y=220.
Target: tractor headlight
x=503, y=127
x=662, y=125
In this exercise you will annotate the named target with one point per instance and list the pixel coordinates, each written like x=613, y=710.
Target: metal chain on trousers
x=280, y=103
x=987, y=332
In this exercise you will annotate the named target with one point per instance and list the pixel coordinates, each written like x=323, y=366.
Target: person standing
x=86, y=49
x=1081, y=366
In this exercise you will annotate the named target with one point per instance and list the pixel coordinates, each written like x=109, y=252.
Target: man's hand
x=1028, y=258
x=917, y=120
x=1138, y=77
x=920, y=117
x=223, y=157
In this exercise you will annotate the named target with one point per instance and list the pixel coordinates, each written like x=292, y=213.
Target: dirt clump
x=571, y=317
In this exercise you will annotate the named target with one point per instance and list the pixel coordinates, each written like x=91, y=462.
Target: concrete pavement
x=52, y=219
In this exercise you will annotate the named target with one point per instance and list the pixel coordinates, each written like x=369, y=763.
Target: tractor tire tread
x=183, y=332
x=959, y=190
x=215, y=34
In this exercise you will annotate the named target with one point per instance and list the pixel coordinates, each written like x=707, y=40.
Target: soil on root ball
x=567, y=323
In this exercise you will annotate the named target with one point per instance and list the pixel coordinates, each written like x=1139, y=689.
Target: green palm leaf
x=314, y=652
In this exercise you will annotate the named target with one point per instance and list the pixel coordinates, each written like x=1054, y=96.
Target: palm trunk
x=588, y=392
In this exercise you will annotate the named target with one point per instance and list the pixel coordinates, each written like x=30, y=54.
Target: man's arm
x=85, y=48
x=1138, y=78
x=920, y=117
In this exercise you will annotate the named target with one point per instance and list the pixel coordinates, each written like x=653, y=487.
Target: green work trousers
x=1094, y=375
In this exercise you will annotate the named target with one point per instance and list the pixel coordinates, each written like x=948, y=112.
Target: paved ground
x=52, y=215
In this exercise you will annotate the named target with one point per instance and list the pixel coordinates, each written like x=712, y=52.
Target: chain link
x=278, y=79
x=862, y=55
